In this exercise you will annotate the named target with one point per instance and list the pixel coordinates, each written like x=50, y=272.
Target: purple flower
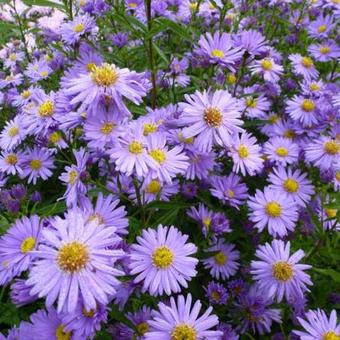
x=224, y=263
x=325, y=51
x=20, y=293
x=278, y=273
x=179, y=321
x=303, y=66
x=12, y=134
x=216, y=293
x=273, y=210
x=76, y=261
x=161, y=260
x=251, y=41
x=268, y=69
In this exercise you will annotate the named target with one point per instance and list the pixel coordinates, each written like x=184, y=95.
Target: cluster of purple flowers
x=170, y=169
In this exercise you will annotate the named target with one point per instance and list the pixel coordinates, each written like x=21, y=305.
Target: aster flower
x=237, y=287
x=224, y=263
x=268, y=69
x=17, y=246
x=202, y=215
x=200, y=163
x=12, y=134
x=254, y=107
x=321, y=27
x=303, y=66
x=325, y=51
x=161, y=260
x=38, y=70
x=212, y=118
x=20, y=293
x=37, y=162
x=317, y=325
x=281, y=151
x=229, y=189
x=11, y=80
x=228, y=332
x=273, y=210
x=294, y=184
x=11, y=163
x=72, y=31
x=323, y=152
x=170, y=162
x=216, y=293
x=218, y=48
x=245, y=153
x=278, y=273
x=76, y=261
x=255, y=312
x=303, y=110
x=179, y=321
x=140, y=320
x=251, y=41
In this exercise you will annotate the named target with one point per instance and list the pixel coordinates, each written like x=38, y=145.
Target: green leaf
x=160, y=52
x=168, y=205
x=9, y=314
x=173, y=26
x=329, y=272
x=52, y=209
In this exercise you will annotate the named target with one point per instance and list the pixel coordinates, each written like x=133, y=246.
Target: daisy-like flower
x=303, y=110
x=321, y=27
x=11, y=80
x=72, y=177
x=218, y=48
x=268, y=69
x=281, y=151
x=107, y=213
x=181, y=321
x=16, y=247
x=140, y=320
x=216, y=293
x=294, y=184
x=72, y=31
x=323, y=152
x=273, y=210
x=107, y=81
x=11, y=163
x=325, y=51
x=38, y=70
x=161, y=260
x=224, y=263
x=130, y=155
x=246, y=155
x=200, y=163
x=37, y=163
x=12, y=134
x=203, y=216
x=254, y=107
x=251, y=41
x=75, y=262
x=278, y=273
x=229, y=189
x=170, y=162
x=303, y=66
x=317, y=325
x=212, y=117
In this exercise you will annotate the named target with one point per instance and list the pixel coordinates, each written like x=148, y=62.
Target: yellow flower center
x=231, y=193
x=331, y=213
x=154, y=187
x=324, y=49
x=273, y=119
x=273, y=209
x=220, y=258
x=73, y=257
x=307, y=62
x=12, y=57
x=106, y=128
x=207, y=222
x=46, y=109
x=314, y=87
x=162, y=257
x=251, y=102
x=183, y=332
x=88, y=313
x=330, y=336
x=289, y=134
x=337, y=176
x=91, y=67
x=322, y=28
x=331, y=147
x=216, y=295
x=72, y=176
x=149, y=128
x=79, y=28
x=193, y=6
x=25, y=94
x=213, y=116
x=27, y=245
x=267, y=64
x=142, y=328
x=158, y=155
x=12, y=159
x=54, y=137
x=308, y=105
x=105, y=75
x=291, y=185
x=35, y=164
x=217, y=53
x=43, y=73
x=282, y=271
x=281, y=151
x=136, y=147
x=188, y=140
x=243, y=151
x=231, y=78
x=98, y=217
x=61, y=334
